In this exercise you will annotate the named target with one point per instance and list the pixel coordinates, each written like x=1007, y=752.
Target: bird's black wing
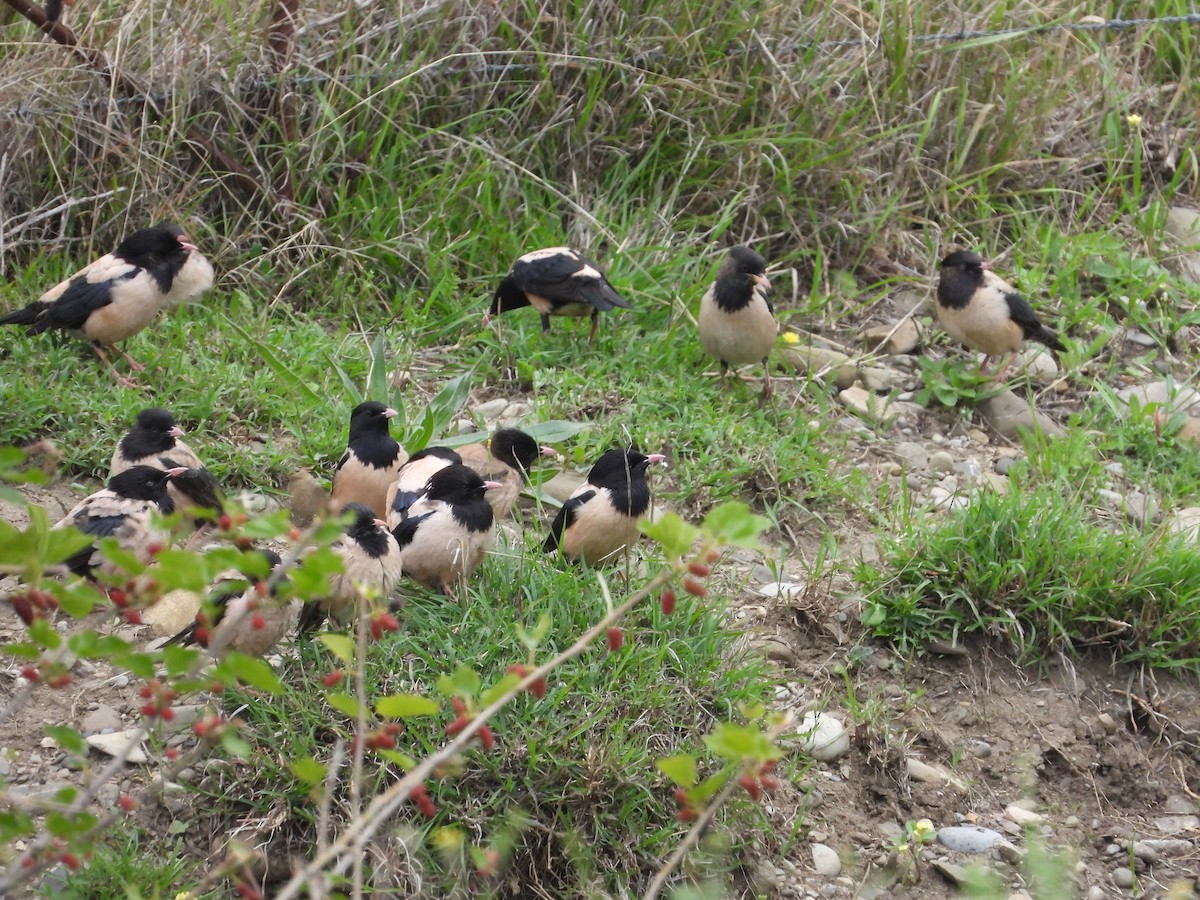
x=341, y=462
x=1031, y=326
x=562, y=521
x=407, y=530
x=80, y=300
x=567, y=278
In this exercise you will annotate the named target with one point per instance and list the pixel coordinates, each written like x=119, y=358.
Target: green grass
x=129, y=865
x=563, y=763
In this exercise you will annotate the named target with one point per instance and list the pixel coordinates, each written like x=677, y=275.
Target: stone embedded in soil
x=115, y=744
x=562, y=485
x=174, y=611
x=1175, y=397
x=1123, y=877
x=823, y=736
x=1010, y=415
x=941, y=461
x=915, y=455
x=491, y=410
x=782, y=590
x=307, y=497
x=1023, y=817
x=868, y=406
x=969, y=838
x=1187, y=523
x=825, y=860
x=1183, y=224
x=1189, y=431
x=894, y=339
x=924, y=772
x=1038, y=363
x=102, y=718
x=956, y=875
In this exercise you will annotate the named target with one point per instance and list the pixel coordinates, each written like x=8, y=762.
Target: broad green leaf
x=308, y=770
x=406, y=706
x=553, y=431
x=672, y=533
x=44, y=634
x=345, y=704
x=377, y=373
x=266, y=527
x=251, y=671
x=498, y=690
x=14, y=824
x=139, y=664
x=67, y=738
x=175, y=569
x=403, y=760
x=741, y=743
x=68, y=826
x=281, y=370
x=62, y=543
x=77, y=599
x=733, y=524
x=178, y=660
x=112, y=550
x=463, y=683
x=235, y=744
x=340, y=645
x=533, y=637
x=17, y=547
x=680, y=768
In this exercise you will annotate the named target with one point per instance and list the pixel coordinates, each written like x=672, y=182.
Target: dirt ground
x=1106, y=755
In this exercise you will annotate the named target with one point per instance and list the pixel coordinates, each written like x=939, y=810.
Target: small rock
x=969, y=838
x=941, y=461
x=1140, y=509
x=878, y=379
x=1174, y=396
x=1189, y=431
x=921, y=771
x=982, y=749
x=1186, y=522
x=115, y=744
x=1010, y=853
x=491, y=409
x=121, y=681
x=257, y=504
x=102, y=718
x=1133, y=336
x=1108, y=723
x=1095, y=892
x=823, y=736
x=1010, y=415
x=893, y=340
x=1123, y=877
x=1179, y=804
x=1177, y=824
x=826, y=861
x=994, y=482
x=1004, y=465
x=562, y=485
x=1023, y=817
x=969, y=469
x=863, y=403
x=1161, y=847
x=172, y=612
x=514, y=412
x=1183, y=224
x=1038, y=363
x=956, y=875
x=915, y=455
x=782, y=590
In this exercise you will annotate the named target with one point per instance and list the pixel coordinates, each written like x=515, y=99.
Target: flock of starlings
x=431, y=516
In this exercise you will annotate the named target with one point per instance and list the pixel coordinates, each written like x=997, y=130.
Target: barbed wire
x=869, y=43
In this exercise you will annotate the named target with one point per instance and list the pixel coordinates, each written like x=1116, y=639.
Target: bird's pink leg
x=1004, y=368
x=133, y=363
x=120, y=379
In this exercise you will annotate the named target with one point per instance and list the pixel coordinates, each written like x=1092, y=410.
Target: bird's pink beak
x=658, y=458
x=986, y=266
x=762, y=281
x=186, y=243
x=381, y=523
x=176, y=472
x=487, y=319
x=548, y=451
x=390, y=413
x=491, y=485
x=176, y=431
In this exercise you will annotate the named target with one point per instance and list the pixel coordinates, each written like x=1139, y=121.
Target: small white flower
x=1133, y=120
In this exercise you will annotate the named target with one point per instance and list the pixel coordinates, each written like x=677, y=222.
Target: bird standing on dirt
x=241, y=613
x=370, y=559
x=737, y=324
x=506, y=458
x=982, y=310
x=413, y=479
x=556, y=281
x=119, y=294
x=124, y=509
x=599, y=521
x=448, y=530
x=371, y=462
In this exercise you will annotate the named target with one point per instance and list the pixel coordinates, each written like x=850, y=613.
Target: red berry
x=217, y=687
x=224, y=521
x=29, y=673
x=127, y=803
x=27, y=862
x=712, y=555
x=459, y=706
x=517, y=669
x=687, y=814
x=131, y=616
x=538, y=688
x=23, y=608
x=154, y=549
x=486, y=737
x=70, y=860
x=699, y=569
x=60, y=680
x=172, y=754
x=490, y=864
x=293, y=533
x=383, y=622
x=167, y=713
x=385, y=741
x=457, y=725
x=334, y=678
x=119, y=598
x=149, y=710
x=146, y=692
x=257, y=622
x=768, y=782
x=750, y=783
x=260, y=588
x=693, y=587
x=244, y=543
x=615, y=637
x=248, y=891
x=428, y=810
x=668, y=601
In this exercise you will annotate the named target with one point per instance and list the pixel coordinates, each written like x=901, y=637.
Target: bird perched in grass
x=413, y=479
x=599, y=520
x=123, y=509
x=152, y=441
x=737, y=324
x=556, y=281
x=982, y=310
x=120, y=293
x=241, y=613
x=506, y=458
x=449, y=529
x=371, y=462
x=370, y=559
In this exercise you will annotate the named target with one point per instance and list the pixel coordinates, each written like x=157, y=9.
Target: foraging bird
x=506, y=458
x=736, y=323
x=370, y=559
x=153, y=439
x=308, y=497
x=557, y=281
x=412, y=480
x=449, y=529
x=599, y=520
x=120, y=293
x=983, y=311
x=123, y=509
x=371, y=462
x=241, y=613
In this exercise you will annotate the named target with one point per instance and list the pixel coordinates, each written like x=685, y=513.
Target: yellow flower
x=1133, y=120
x=922, y=830
x=790, y=337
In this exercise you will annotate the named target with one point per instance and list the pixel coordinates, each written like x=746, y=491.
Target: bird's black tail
x=1050, y=339
x=26, y=316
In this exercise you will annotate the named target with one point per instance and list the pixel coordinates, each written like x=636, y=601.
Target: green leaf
x=734, y=525
x=377, y=373
x=553, y=431
x=680, y=768
x=345, y=704
x=44, y=634
x=741, y=743
x=178, y=660
x=406, y=706
x=77, y=599
x=674, y=534
x=14, y=824
x=499, y=689
x=62, y=543
x=235, y=744
x=181, y=569
x=463, y=683
x=112, y=550
x=251, y=671
x=281, y=370
x=67, y=738
x=532, y=638
x=67, y=826
x=403, y=760
x=308, y=770
x=340, y=645
x=264, y=528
